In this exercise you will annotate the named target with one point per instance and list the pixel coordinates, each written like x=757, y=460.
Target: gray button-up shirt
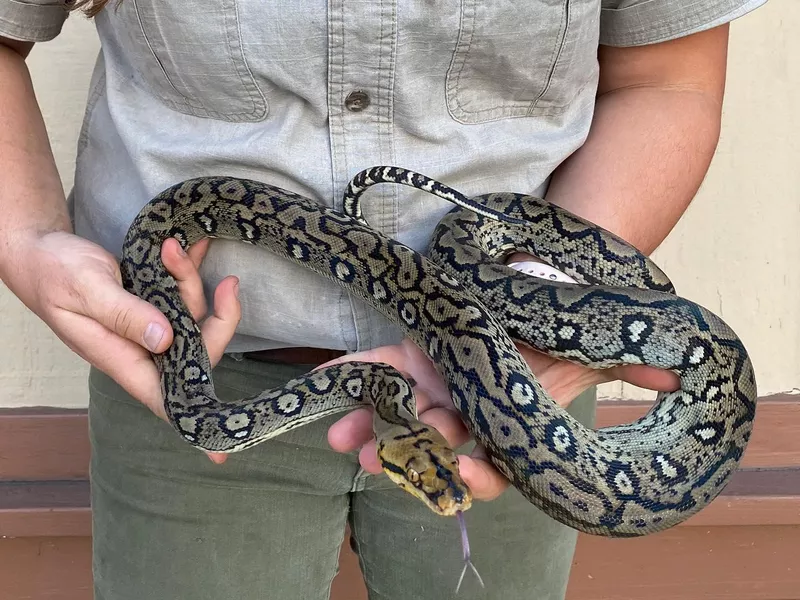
x=484, y=96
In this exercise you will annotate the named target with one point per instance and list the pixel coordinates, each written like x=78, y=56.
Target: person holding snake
x=610, y=110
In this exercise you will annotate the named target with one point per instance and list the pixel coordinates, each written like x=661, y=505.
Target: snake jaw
x=423, y=465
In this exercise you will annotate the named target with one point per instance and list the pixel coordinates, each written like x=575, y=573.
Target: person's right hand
x=75, y=287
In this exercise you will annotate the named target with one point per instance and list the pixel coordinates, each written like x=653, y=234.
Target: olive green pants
x=268, y=524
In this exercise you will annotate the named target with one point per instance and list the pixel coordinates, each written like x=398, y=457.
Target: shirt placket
x=361, y=63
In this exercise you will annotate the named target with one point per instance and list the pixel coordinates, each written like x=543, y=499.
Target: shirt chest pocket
x=521, y=58
x=190, y=56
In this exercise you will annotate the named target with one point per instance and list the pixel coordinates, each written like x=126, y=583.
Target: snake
x=470, y=314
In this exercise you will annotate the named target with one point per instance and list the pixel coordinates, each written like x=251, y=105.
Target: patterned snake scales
x=463, y=308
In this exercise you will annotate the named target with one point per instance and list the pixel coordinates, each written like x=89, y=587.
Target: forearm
x=31, y=195
x=647, y=153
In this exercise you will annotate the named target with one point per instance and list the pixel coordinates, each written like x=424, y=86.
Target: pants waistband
x=295, y=356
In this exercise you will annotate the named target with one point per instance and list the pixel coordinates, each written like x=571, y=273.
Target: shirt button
x=356, y=101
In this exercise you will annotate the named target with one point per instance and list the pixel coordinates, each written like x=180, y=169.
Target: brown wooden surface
x=58, y=568
x=56, y=445
x=44, y=509
x=690, y=563
x=43, y=443
x=687, y=563
x=61, y=508
x=776, y=432
x=742, y=547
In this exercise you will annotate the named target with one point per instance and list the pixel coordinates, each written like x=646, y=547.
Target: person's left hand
x=564, y=381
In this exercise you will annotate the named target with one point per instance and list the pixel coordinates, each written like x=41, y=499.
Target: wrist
x=19, y=249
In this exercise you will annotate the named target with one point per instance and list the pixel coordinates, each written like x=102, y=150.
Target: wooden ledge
x=741, y=547
x=776, y=433
x=45, y=509
x=41, y=444
x=52, y=444
x=754, y=497
x=44, y=458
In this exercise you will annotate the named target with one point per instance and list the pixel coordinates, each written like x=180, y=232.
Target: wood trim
x=49, y=495
x=45, y=509
x=689, y=563
x=61, y=508
x=776, y=432
x=37, y=522
x=735, y=563
x=44, y=459
x=58, y=568
x=40, y=444
x=43, y=444
x=738, y=548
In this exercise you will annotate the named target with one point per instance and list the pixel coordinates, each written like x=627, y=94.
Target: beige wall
x=750, y=202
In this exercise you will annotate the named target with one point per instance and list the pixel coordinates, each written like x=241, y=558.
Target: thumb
x=129, y=317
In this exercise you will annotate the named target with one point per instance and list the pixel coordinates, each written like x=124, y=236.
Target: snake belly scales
x=465, y=309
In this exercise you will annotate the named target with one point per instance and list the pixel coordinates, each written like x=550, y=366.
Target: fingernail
x=181, y=251
x=153, y=335
x=236, y=289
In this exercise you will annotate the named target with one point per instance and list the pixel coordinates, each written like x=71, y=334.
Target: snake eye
x=412, y=476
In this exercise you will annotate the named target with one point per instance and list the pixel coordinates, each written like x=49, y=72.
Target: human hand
x=563, y=380
x=75, y=287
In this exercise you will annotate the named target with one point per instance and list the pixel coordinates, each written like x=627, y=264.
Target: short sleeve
x=32, y=20
x=640, y=22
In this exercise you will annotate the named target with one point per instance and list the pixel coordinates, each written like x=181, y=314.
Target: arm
x=32, y=196
x=68, y=282
x=72, y=284
x=655, y=130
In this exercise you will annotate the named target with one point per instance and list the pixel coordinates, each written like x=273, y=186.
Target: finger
x=639, y=375
x=197, y=252
x=368, y=457
x=426, y=377
x=649, y=378
x=124, y=314
x=124, y=361
x=447, y=422
x=217, y=457
x=183, y=269
x=219, y=328
x=485, y=481
x=351, y=431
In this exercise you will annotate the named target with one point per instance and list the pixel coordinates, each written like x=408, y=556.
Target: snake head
x=420, y=461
